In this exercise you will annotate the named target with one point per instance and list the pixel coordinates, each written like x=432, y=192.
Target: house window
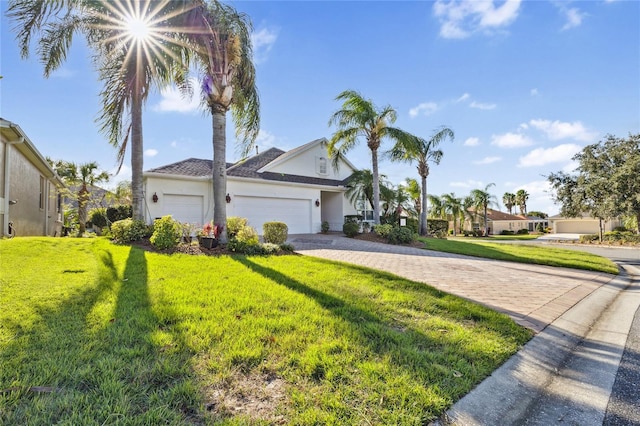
x=322, y=166
x=59, y=203
x=41, y=203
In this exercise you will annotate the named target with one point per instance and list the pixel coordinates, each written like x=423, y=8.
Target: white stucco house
x=298, y=187
x=583, y=224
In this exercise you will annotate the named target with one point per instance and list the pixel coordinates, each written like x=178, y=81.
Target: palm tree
x=414, y=191
x=522, y=197
x=135, y=45
x=84, y=175
x=360, y=187
x=437, y=210
x=482, y=200
x=452, y=206
x=468, y=211
x=422, y=151
x=509, y=201
x=360, y=118
x=224, y=53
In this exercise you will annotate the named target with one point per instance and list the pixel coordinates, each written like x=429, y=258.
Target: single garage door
x=577, y=227
x=184, y=208
x=295, y=213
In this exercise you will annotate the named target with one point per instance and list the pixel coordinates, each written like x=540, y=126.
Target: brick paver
x=533, y=295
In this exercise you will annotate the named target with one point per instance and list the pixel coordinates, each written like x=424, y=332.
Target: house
x=497, y=222
x=30, y=191
x=583, y=224
x=298, y=187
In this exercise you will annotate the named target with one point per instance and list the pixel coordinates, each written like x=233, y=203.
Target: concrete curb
x=565, y=373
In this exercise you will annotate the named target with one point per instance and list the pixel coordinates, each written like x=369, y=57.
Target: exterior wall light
x=228, y=198
x=317, y=203
x=154, y=197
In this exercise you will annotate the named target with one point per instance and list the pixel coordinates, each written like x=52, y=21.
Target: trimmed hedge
x=351, y=229
x=235, y=224
x=167, y=233
x=275, y=232
x=127, y=230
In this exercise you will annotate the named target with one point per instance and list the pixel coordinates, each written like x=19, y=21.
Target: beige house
x=298, y=187
x=29, y=188
x=497, y=222
x=583, y=224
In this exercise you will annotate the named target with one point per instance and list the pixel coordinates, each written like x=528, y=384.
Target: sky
x=524, y=85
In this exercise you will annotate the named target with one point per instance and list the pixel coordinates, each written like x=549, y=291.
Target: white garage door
x=184, y=208
x=578, y=227
x=258, y=210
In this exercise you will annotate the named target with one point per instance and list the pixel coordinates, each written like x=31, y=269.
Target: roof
x=247, y=168
x=495, y=215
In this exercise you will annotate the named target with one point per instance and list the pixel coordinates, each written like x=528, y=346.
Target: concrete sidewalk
x=566, y=373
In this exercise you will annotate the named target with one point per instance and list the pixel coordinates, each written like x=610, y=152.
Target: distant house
x=497, y=222
x=298, y=187
x=30, y=191
x=583, y=224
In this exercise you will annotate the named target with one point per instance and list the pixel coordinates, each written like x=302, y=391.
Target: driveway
x=533, y=295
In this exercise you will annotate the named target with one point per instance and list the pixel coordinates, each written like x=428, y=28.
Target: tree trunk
x=376, y=187
x=423, y=213
x=219, y=117
x=136, y=157
x=83, y=200
x=486, y=232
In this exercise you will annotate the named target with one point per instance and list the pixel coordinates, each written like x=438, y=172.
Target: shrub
x=275, y=232
x=98, y=217
x=351, y=229
x=506, y=232
x=437, y=225
x=269, y=248
x=324, y=227
x=540, y=228
x=248, y=235
x=167, y=233
x=287, y=247
x=234, y=225
x=242, y=247
x=585, y=239
x=127, y=230
x=620, y=229
x=401, y=236
x=523, y=232
x=383, y=230
x=120, y=212
x=413, y=224
x=352, y=218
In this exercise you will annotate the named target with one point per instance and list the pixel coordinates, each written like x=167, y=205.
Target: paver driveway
x=534, y=296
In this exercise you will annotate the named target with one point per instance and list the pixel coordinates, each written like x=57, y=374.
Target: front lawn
x=92, y=333
x=523, y=253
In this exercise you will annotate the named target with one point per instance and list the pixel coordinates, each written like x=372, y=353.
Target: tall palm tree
x=414, y=191
x=437, y=210
x=509, y=201
x=422, y=151
x=135, y=45
x=225, y=58
x=482, y=199
x=453, y=206
x=468, y=211
x=522, y=197
x=83, y=176
x=360, y=118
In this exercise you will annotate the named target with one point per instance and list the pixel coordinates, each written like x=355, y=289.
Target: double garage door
x=578, y=227
x=295, y=213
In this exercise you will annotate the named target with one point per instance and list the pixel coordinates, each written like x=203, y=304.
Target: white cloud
x=265, y=138
x=482, y=106
x=63, y=72
x=510, y=140
x=174, y=101
x=425, y=108
x=556, y=130
x=472, y=142
x=463, y=97
x=262, y=42
x=150, y=152
x=534, y=92
x=174, y=144
x=488, y=160
x=574, y=18
x=543, y=156
x=461, y=18
x=469, y=183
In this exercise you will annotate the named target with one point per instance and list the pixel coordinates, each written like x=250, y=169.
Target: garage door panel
x=184, y=208
x=578, y=227
x=295, y=213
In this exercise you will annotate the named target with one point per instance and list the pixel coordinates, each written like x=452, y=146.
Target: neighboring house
x=497, y=222
x=29, y=188
x=298, y=187
x=584, y=224
x=534, y=221
x=98, y=197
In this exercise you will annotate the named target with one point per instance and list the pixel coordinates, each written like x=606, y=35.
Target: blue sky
x=524, y=86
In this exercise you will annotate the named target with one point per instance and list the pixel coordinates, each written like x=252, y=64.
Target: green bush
x=287, y=247
x=413, y=224
x=383, y=230
x=401, y=235
x=234, y=225
x=270, y=248
x=352, y=218
x=275, y=232
x=506, y=232
x=167, y=233
x=324, y=227
x=351, y=229
x=540, y=228
x=436, y=226
x=248, y=235
x=127, y=230
x=98, y=217
x=523, y=232
x=120, y=212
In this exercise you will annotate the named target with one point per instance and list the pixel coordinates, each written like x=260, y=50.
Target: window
x=321, y=166
x=59, y=203
x=41, y=192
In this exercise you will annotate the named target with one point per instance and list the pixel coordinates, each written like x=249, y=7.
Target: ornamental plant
x=167, y=233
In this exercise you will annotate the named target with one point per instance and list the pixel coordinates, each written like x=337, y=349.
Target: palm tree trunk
x=83, y=199
x=423, y=213
x=219, y=118
x=486, y=233
x=136, y=157
x=376, y=187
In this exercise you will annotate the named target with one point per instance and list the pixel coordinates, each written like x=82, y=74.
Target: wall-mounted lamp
x=317, y=203
x=12, y=202
x=154, y=197
x=228, y=198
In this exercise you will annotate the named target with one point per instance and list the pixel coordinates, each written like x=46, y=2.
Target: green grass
x=522, y=237
x=93, y=333
x=523, y=254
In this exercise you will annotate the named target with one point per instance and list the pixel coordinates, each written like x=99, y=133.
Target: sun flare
x=138, y=28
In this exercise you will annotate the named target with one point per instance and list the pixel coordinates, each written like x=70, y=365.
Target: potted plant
x=208, y=237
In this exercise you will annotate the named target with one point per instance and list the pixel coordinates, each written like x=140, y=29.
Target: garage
x=184, y=208
x=577, y=227
x=296, y=213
